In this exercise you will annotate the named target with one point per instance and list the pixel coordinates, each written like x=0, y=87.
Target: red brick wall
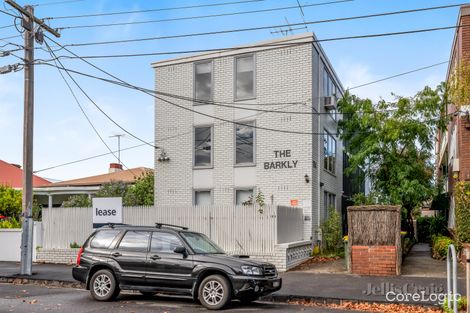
x=374, y=260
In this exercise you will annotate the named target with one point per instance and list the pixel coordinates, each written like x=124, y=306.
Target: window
x=329, y=201
x=243, y=196
x=244, y=143
x=202, y=197
x=245, y=77
x=200, y=243
x=329, y=149
x=103, y=239
x=203, y=81
x=164, y=242
x=135, y=241
x=203, y=146
x=329, y=89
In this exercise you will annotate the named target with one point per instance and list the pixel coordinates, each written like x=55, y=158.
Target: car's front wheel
x=103, y=286
x=215, y=292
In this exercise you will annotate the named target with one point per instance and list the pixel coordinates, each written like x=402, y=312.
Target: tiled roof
x=126, y=176
x=12, y=176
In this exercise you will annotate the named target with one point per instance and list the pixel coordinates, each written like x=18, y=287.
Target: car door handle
x=155, y=257
x=116, y=254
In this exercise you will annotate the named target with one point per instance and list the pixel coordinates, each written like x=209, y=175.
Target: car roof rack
x=112, y=225
x=159, y=225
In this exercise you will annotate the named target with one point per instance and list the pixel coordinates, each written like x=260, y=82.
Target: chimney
x=115, y=167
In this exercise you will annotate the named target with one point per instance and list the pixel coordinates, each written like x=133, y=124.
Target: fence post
x=452, y=279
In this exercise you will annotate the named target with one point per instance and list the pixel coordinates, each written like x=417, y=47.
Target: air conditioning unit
x=329, y=102
x=455, y=165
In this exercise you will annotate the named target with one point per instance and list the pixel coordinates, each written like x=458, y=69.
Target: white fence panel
x=237, y=229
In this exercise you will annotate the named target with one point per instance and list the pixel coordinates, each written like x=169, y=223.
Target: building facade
x=453, y=145
x=257, y=121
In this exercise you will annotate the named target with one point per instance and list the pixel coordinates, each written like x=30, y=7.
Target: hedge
x=462, y=211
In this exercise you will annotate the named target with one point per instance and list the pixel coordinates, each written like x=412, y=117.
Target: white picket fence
x=237, y=229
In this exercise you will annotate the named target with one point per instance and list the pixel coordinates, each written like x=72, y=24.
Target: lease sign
x=106, y=211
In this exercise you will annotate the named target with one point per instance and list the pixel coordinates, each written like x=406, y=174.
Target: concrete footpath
x=326, y=288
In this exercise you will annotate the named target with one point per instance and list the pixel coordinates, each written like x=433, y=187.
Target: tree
x=10, y=202
x=142, y=192
x=393, y=142
x=113, y=189
x=77, y=201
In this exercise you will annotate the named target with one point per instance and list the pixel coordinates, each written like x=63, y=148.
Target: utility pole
x=30, y=35
x=118, y=136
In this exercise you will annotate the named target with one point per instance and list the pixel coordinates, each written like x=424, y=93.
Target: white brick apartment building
x=212, y=161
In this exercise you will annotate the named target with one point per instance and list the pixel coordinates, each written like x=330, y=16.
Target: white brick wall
x=57, y=256
x=283, y=74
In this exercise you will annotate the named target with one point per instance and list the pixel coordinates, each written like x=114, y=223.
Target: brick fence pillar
x=374, y=240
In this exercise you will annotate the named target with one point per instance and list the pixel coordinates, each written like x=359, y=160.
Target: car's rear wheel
x=215, y=292
x=103, y=286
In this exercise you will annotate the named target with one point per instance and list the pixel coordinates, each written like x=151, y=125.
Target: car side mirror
x=181, y=250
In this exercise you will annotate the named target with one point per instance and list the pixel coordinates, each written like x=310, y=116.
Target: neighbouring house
x=11, y=175
x=215, y=144
x=453, y=145
x=54, y=194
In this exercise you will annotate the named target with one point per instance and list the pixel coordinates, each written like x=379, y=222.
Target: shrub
x=461, y=305
x=77, y=201
x=440, y=245
x=428, y=226
x=10, y=202
x=74, y=245
x=10, y=223
x=332, y=233
x=462, y=211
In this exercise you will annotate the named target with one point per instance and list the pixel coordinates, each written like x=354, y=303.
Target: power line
x=398, y=75
x=126, y=84
x=55, y=3
x=239, y=106
x=201, y=16
x=280, y=26
x=83, y=110
x=292, y=44
x=8, y=13
x=139, y=145
x=100, y=109
x=153, y=10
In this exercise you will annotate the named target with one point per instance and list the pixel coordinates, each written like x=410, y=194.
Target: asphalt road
x=33, y=298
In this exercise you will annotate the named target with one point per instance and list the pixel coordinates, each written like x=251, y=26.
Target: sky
x=62, y=134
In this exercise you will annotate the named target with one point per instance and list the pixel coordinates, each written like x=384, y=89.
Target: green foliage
x=459, y=84
x=429, y=226
x=373, y=197
x=461, y=305
x=462, y=211
x=74, y=245
x=142, y=192
x=393, y=142
x=10, y=202
x=332, y=233
x=440, y=245
x=77, y=201
x=10, y=223
x=113, y=189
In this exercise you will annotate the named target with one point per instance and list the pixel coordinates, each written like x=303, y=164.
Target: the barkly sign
x=280, y=162
x=107, y=210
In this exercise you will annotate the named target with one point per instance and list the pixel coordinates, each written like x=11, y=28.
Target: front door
x=165, y=267
x=131, y=257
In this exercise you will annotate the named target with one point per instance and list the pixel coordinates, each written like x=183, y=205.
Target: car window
x=103, y=239
x=164, y=242
x=135, y=241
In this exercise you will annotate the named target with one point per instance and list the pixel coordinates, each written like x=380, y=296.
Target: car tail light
x=79, y=255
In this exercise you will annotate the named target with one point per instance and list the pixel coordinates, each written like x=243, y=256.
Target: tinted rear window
x=103, y=239
x=135, y=241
